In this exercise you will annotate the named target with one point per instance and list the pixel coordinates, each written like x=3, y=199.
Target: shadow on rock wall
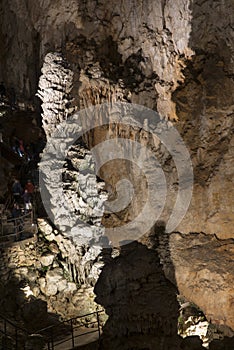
x=140, y=301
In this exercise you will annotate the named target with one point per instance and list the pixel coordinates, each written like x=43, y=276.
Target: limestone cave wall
x=175, y=57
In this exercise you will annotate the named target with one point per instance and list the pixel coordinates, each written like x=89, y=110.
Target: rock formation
x=160, y=55
x=200, y=263
x=174, y=57
x=55, y=86
x=52, y=270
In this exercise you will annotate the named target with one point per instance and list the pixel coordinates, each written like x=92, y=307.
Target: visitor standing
x=30, y=187
x=17, y=191
x=27, y=201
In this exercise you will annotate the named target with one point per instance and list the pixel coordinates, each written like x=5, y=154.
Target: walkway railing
x=61, y=336
x=66, y=334
x=14, y=228
x=8, y=203
x=12, y=336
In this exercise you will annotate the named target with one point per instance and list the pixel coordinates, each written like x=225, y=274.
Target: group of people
x=23, y=195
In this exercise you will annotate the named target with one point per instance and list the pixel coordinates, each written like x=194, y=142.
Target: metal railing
x=8, y=203
x=65, y=334
x=12, y=337
x=71, y=330
x=19, y=225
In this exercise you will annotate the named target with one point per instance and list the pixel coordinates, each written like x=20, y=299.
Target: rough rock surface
x=189, y=67
x=173, y=56
x=73, y=202
x=204, y=271
x=55, y=86
x=202, y=267
x=148, y=37
x=50, y=269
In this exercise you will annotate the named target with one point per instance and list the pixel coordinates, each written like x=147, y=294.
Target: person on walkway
x=30, y=188
x=27, y=201
x=17, y=191
x=18, y=221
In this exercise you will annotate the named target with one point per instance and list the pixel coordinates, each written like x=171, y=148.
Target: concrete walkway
x=82, y=337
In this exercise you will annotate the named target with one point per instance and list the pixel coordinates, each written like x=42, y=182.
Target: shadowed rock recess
x=176, y=58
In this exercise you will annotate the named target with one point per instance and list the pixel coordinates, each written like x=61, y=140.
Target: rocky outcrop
x=50, y=269
x=182, y=65
x=140, y=52
x=203, y=266
x=93, y=85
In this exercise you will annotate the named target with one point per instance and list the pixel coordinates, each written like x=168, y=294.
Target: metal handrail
x=69, y=320
x=13, y=324
x=22, y=217
x=51, y=338
x=14, y=335
x=17, y=224
x=8, y=202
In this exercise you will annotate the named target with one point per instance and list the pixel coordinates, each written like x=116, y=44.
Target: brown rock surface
x=204, y=274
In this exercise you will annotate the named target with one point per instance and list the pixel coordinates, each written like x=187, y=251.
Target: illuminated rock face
x=172, y=56
x=202, y=267
x=55, y=86
x=204, y=272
